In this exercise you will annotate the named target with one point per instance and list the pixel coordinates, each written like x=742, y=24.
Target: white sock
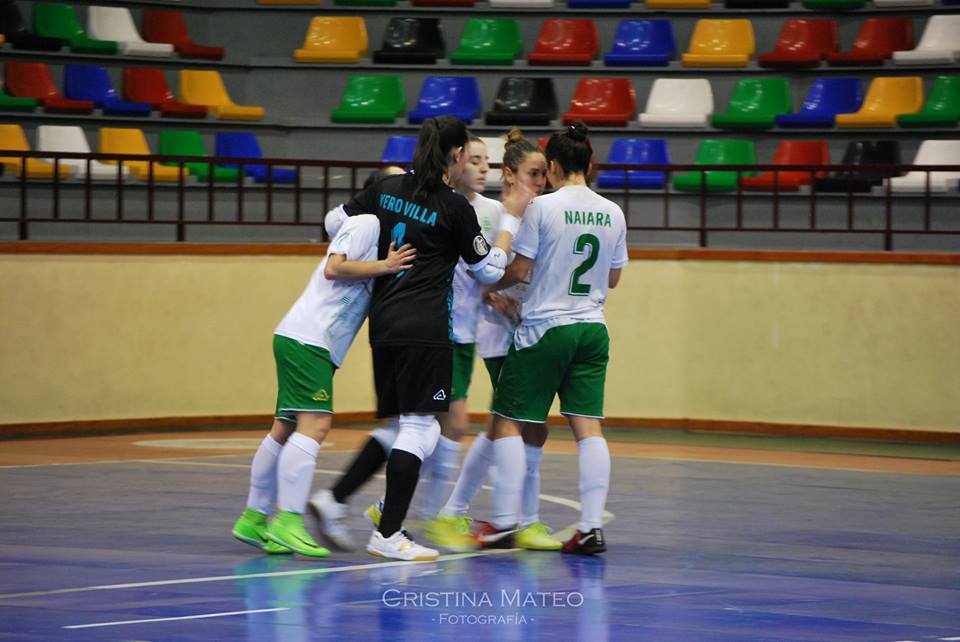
x=444, y=463
x=594, y=481
x=263, y=476
x=530, y=511
x=295, y=474
x=508, y=454
x=474, y=471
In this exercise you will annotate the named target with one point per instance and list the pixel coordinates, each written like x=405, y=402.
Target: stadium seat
x=677, y=4
x=931, y=152
x=12, y=138
x=598, y=4
x=803, y=42
x=495, y=148
x=206, y=88
x=717, y=152
x=885, y=4
x=115, y=140
x=565, y=42
x=57, y=20
x=16, y=33
x=863, y=153
x=448, y=96
x=940, y=109
x=414, y=41
x=790, y=152
x=756, y=4
x=642, y=43
x=116, y=23
x=826, y=98
x=180, y=142
x=148, y=85
x=290, y=2
x=876, y=42
x=678, y=102
x=245, y=145
x=33, y=80
x=91, y=82
x=70, y=138
x=161, y=25
x=720, y=43
x=833, y=5
x=442, y=3
x=365, y=3
x=333, y=39
x=886, y=99
x=603, y=101
x=523, y=102
x=17, y=103
x=489, y=41
x=399, y=150
x=635, y=151
x=371, y=99
x=939, y=44
x=755, y=104
x=521, y=4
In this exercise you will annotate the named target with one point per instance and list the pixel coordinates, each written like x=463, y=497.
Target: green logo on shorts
x=322, y=395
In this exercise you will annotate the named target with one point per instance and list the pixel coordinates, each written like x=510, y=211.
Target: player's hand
x=399, y=260
x=505, y=305
x=516, y=198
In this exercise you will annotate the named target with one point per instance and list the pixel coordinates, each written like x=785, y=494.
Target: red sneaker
x=586, y=543
x=489, y=536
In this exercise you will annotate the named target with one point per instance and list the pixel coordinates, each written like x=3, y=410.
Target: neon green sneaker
x=536, y=537
x=452, y=532
x=374, y=512
x=286, y=529
x=251, y=529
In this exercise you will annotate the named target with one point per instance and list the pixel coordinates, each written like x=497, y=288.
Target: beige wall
x=103, y=337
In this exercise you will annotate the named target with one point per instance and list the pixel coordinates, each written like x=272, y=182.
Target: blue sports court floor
x=720, y=539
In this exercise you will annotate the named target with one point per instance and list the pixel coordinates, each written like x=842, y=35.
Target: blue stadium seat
x=399, y=150
x=91, y=82
x=598, y=4
x=448, y=95
x=245, y=145
x=826, y=98
x=648, y=43
x=640, y=152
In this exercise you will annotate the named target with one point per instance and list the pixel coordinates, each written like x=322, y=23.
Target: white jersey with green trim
x=575, y=237
x=329, y=313
x=467, y=291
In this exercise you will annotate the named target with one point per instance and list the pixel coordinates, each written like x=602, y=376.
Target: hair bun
x=577, y=131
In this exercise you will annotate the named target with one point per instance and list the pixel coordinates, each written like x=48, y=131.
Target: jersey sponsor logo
x=322, y=395
x=576, y=217
x=480, y=245
x=399, y=206
x=439, y=395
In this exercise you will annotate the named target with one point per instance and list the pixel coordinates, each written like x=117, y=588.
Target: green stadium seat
x=371, y=99
x=180, y=142
x=755, y=104
x=58, y=20
x=718, y=152
x=489, y=41
x=942, y=107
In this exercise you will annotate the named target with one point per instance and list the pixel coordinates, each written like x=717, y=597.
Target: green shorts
x=494, y=365
x=569, y=361
x=462, y=369
x=304, y=378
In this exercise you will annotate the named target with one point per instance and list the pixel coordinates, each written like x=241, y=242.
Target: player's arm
x=517, y=271
x=491, y=268
x=340, y=268
x=614, y=277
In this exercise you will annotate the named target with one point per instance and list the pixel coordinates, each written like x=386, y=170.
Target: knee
x=535, y=434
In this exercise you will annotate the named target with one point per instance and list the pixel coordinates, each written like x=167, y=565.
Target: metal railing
x=135, y=200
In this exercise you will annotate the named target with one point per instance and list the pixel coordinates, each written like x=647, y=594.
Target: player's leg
x=581, y=401
x=534, y=534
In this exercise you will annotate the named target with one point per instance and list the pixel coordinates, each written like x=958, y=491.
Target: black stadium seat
x=12, y=27
x=862, y=152
x=412, y=41
x=524, y=101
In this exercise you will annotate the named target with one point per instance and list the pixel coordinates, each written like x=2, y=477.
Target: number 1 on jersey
x=579, y=247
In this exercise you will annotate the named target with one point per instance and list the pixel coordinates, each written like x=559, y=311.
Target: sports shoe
x=399, y=546
x=489, y=536
x=536, y=537
x=452, y=532
x=251, y=529
x=586, y=543
x=331, y=516
x=374, y=512
x=287, y=530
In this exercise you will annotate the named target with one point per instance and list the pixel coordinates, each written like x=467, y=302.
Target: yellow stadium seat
x=720, y=43
x=677, y=4
x=14, y=139
x=886, y=99
x=206, y=88
x=331, y=39
x=114, y=140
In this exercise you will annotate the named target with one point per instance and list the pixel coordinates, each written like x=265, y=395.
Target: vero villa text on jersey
x=596, y=219
x=408, y=209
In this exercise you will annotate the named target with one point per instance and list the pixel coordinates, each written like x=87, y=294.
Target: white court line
x=171, y=619
x=121, y=461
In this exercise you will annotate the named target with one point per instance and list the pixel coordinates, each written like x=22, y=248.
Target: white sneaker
x=399, y=547
x=331, y=516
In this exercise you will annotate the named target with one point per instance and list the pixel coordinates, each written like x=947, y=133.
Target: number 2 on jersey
x=579, y=247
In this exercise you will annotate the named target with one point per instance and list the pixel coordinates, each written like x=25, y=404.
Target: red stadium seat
x=148, y=85
x=876, y=42
x=33, y=80
x=803, y=42
x=790, y=152
x=603, y=101
x=566, y=42
x=168, y=26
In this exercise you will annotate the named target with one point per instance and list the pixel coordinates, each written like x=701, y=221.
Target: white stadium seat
x=931, y=152
x=63, y=138
x=940, y=43
x=678, y=102
x=116, y=23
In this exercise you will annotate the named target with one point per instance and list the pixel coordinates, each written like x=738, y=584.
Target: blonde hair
x=516, y=148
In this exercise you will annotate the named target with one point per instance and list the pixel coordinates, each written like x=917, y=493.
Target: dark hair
x=516, y=149
x=430, y=159
x=571, y=149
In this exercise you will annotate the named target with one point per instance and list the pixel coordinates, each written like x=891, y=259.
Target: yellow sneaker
x=536, y=537
x=452, y=532
x=374, y=512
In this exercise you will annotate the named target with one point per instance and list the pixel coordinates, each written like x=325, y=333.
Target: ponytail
x=438, y=136
x=571, y=149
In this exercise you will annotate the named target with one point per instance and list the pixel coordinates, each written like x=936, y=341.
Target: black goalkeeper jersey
x=414, y=306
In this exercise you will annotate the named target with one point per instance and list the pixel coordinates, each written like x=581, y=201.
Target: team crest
x=322, y=395
x=480, y=245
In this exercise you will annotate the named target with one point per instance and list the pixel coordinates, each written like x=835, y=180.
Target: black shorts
x=412, y=379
